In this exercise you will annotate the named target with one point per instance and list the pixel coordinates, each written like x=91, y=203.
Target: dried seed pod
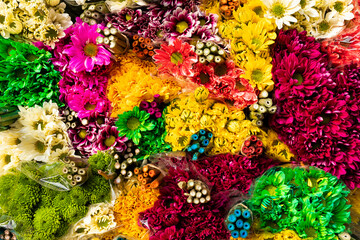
x=78, y=178
x=75, y=169
x=196, y=201
x=193, y=193
x=70, y=177
x=190, y=184
x=202, y=200
x=182, y=184
x=204, y=191
x=207, y=198
x=198, y=195
x=117, y=165
x=189, y=199
x=198, y=186
x=82, y=171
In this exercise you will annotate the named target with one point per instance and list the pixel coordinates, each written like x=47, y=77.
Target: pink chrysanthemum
x=181, y=23
x=85, y=101
x=176, y=59
x=83, y=51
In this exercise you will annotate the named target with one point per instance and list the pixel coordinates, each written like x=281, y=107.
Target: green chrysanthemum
x=310, y=201
x=132, y=123
x=153, y=141
x=27, y=77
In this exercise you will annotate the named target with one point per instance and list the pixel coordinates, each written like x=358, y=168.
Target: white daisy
x=34, y=146
x=33, y=119
x=9, y=158
x=281, y=11
x=308, y=10
x=10, y=137
x=342, y=9
x=61, y=154
x=327, y=26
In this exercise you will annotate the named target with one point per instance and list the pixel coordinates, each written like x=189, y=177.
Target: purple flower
x=180, y=3
x=182, y=23
x=82, y=138
x=108, y=137
x=83, y=51
x=129, y=20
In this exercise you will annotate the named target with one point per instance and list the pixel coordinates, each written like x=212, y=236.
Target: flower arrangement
x=182, y=110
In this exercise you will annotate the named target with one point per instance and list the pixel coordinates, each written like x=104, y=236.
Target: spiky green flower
x=132, y=123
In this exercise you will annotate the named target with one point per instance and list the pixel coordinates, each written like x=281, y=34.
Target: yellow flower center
x=7, y=159
x=324, y=26
x=82, y=134
x=31, y=57
x=100, y=120
x=133, y=123
x=128, y=17
x=326, y=119
x=202, y=22
x=110, y=141
x=39, y=123
x=40, y=146
x=257, y=75
x=176, y=58
x=278, y=10
x=258, y=10
x=339, y=6
x=181, y=26
x=57, y=146
x=51, y=33
x=90, y=50
x=90, y=106
x=298, y=77
x=302, y=3
x=310, y=232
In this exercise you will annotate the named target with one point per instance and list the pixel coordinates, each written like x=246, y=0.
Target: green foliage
x=27, y=77
x=101, y=161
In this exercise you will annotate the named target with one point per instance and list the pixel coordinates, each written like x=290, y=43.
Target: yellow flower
x=275, y=148
x=258, y=72
x=127, y=90
x=256, y=37
x=128, y=207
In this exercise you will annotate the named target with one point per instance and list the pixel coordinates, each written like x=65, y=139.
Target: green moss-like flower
x=27, y=77
x=79, y=196
x=97, y=188
x=132, y=123
x=46, y=221
x=73, y=213
x=101, y=161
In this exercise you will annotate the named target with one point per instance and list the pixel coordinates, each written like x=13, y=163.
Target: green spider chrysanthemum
x=132, y=123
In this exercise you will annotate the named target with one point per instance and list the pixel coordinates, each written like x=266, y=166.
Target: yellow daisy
x=258, y=72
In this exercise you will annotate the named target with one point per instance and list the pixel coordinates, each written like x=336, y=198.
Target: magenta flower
x=299, y=76
x=85, y=101
x=83, y=51
x=171, y=211
x=82, y=139
x=129, y=20
x=108, y=137
x=180, y=3
x=181, y=23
